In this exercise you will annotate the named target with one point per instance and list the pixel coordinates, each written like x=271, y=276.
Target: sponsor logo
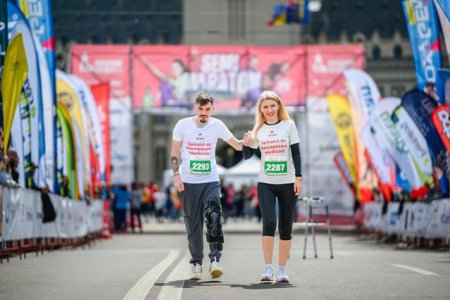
x=331, y=66
x=444, y=118
x=343, y=120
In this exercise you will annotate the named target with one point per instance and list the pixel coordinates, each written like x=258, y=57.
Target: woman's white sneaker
x=281, y=275
x=267, y=276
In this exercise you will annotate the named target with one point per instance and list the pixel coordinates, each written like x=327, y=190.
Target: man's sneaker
x=215, y=270
x=267, y=276
x=196, y=273
x=281, y=275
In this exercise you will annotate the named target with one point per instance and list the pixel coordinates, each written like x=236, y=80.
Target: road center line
x=140, y=290
x=173, y=287
x=420, y=271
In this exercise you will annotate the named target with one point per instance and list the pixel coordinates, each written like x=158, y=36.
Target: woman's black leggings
x=267, y=195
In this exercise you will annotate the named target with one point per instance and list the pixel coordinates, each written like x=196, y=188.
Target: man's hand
x=178, y=183
x=247, y=139
x=298, y=186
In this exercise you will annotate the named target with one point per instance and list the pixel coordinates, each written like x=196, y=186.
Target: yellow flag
x=68, y=97
x=15, y=70
x=342, y=119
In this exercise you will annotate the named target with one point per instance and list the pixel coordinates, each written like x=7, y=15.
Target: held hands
x=178, y=183
x=248, y=140
x=298, y=186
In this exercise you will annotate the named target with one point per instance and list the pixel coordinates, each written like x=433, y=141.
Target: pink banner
x=171, y=76
x=104, y=63
x=325, y=64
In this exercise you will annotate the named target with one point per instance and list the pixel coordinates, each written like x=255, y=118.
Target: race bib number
x=275, y=167
x=200, y=166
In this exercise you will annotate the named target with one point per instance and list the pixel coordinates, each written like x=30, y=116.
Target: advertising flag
x=443, y=10
x=100, y=93
x=364, y=93
x=32, y=89
x=14, y=74
x=68, y=150
x=441, y=120
x=68, y=98
x=423, y=28
x=342, y=119
x=382, y=162
x=388, y=136
x=90, y=107
x=416, y=144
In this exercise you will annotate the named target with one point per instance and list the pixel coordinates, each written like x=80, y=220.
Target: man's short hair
x=204, y=98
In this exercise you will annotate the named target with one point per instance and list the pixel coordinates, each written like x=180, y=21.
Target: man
x=195, y=139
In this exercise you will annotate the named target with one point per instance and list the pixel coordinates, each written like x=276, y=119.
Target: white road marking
x=173, y=287
x=420, y=271
x=140, y=290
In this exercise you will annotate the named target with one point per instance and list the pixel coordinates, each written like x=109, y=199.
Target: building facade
x=379, y=25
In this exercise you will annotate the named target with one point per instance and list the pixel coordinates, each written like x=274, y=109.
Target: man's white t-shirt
x=274, y=141
x=198, y=148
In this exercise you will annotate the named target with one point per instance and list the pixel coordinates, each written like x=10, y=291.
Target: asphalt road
x=155, y=266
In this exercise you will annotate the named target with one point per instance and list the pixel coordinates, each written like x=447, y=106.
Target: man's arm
x=175, y=162
x=235, y=143
x=175, y=156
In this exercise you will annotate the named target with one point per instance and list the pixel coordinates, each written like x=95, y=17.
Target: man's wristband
x=176, y=174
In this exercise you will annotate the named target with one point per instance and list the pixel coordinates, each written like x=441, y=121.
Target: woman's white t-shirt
x=274, y=141
x=198, y=148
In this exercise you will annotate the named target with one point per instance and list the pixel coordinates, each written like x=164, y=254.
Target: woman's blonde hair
x=259, y=116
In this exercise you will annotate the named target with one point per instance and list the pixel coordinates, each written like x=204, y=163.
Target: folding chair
x=312, y=204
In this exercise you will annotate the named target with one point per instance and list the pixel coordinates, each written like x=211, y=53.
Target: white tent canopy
x=245, y=172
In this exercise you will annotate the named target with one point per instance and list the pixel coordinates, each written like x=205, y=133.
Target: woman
x=280, y=177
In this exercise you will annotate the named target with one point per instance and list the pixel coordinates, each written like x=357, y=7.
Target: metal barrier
x=313, y=204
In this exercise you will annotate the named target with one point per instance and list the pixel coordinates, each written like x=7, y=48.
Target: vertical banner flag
x=441, y=119
x=416, y=144
x=363, y=96
x=39, y=16
x=14, y=74
x=93, y=120
x=32, y=89
x=342, y=120
x=68, y=150
x=68, y=97
x=100, y=93
x=423, y=29
x=388, y=137
x=443, y=10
